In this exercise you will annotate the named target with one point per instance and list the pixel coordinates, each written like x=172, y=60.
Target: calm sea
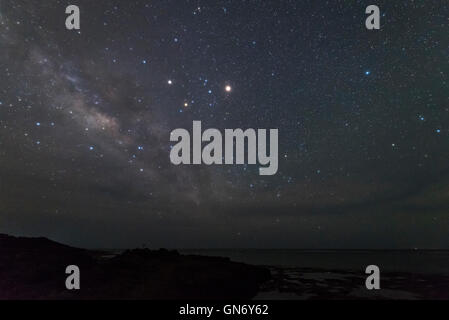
x=413, y=261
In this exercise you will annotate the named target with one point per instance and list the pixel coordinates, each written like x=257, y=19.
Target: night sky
x=363, y=119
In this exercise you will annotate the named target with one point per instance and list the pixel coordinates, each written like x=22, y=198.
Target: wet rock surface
x=309, y=284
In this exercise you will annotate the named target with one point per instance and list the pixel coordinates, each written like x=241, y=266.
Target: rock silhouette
x=34, y=268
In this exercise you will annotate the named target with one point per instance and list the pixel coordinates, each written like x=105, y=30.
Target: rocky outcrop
x=34, y=268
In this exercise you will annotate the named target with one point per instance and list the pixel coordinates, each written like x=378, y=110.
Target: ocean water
x=410, y=261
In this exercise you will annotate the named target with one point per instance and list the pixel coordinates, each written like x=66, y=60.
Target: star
x=228, y=88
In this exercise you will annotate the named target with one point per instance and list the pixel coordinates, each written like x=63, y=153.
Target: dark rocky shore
x=327, y=284
x=34, y=268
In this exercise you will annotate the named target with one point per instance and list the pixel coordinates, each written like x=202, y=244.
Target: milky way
x=86, y=116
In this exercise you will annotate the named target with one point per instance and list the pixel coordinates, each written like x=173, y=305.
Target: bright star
x=228, y=88
x=170, y=82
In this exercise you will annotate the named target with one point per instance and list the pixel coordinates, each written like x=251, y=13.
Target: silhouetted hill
x=34, y=268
